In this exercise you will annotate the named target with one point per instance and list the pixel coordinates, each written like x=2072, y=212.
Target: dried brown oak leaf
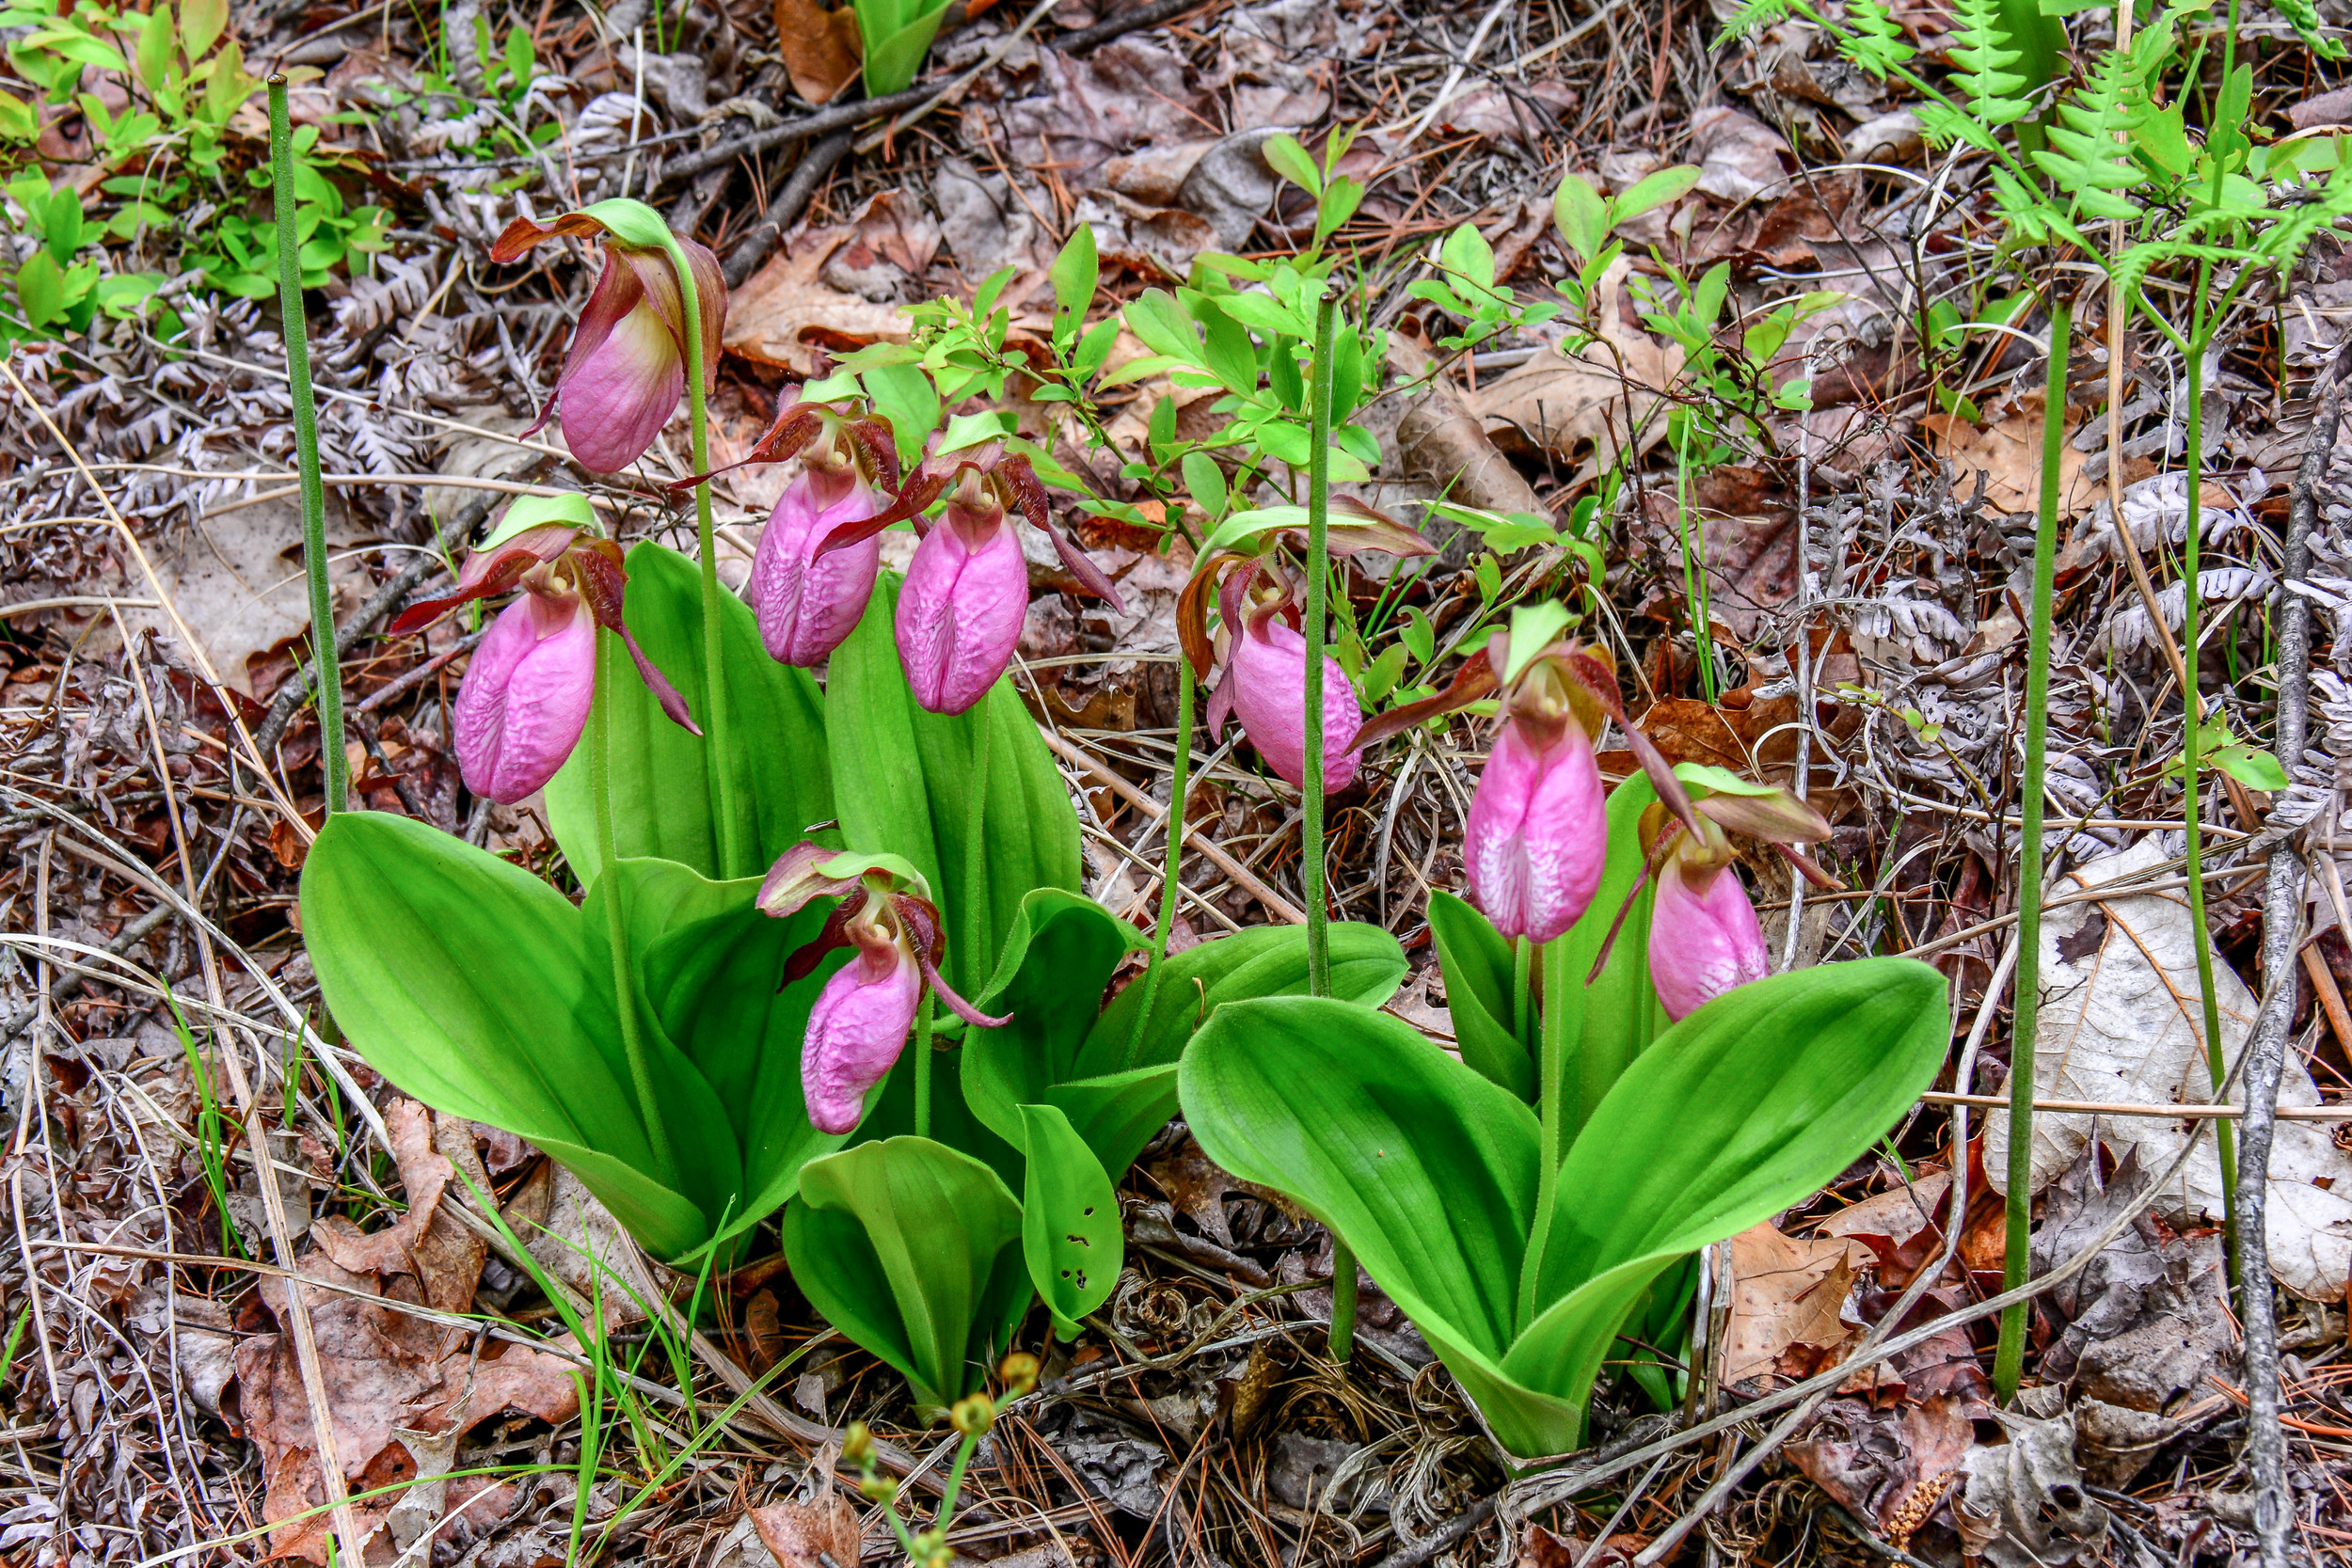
x=1606, y=398
x=821, y=48
x=2009, y=453
x=796, y=1533
x=385, y=1371
x=787, y=315
x=1787, y=1290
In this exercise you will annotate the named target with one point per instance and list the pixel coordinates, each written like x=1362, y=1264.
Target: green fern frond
x=2089, y=155
x=1874, y=40
x=1754, y=17
x=2303, y=17
x=1984, y=51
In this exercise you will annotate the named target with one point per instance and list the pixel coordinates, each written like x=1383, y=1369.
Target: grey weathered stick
x=785, y=208
x=288, y=701
x=2266, y=1057
x=836, y=116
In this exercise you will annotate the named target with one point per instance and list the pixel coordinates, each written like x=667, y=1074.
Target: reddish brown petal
x=521, y=234
x=1474, y=680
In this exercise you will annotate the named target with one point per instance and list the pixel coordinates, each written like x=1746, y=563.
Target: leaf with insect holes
x=1070, y=1232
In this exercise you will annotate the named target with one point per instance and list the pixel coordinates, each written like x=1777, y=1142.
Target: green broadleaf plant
x=1429, y=1171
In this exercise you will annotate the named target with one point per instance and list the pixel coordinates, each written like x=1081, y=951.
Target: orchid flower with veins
x=528, y=689
x=967, y=590
x=809, y=600
x=1259, y=643
x=861, y=1019
x=626, y=368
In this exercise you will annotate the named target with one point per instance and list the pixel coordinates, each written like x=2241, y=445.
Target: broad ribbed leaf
x=1265, y=961
x=1747, y=1106
x=1425, y=1167
x=466, y=982
x=664, y=783
x=1619, y=1013
x=1476, y=961
x=1070, y=1233
x=1057, y=959
x=708, y=981
x=902, y=784
x=909, y=1249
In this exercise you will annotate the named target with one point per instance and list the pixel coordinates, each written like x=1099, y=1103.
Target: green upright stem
x=923, y=1066
x=1170, y=885
x=1522, y=986
x=617, y=918
x=1555, y=1018
x=334, y=767
x=2192, y=705
x=976, y=958
x=1318, y=612
x=2010, y=1359
x=717, y=734
x=1310, y=828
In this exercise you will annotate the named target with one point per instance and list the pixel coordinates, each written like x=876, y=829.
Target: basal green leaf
x=908, y=1248
x=1747, y=1106
x=1425, y=1167
x=664, y=780
x=1055, y=961
x=466, y=982
x=1070, y=1233
x=1367, y=965
x=902, y=785
x=1476, y=963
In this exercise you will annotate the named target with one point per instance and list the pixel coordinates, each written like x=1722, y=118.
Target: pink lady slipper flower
x=967, y=590
x=525, y=698
x=1264, y=652
x=625, y=369
x=808, y=601
x=1538, y=831
x=862, y=1018
x=1704, y=938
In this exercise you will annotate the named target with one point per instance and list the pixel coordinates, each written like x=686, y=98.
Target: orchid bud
x=809, y=603
x=1270, y=695
x=525, y=698
x=626, y=368
x=1704, y=938
x=858, y=1027
x=1538, y=830
x=960, y=608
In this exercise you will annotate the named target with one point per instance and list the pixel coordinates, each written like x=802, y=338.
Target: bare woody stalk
x=333, y=765
x=1310, y=827
x=2010, y=1359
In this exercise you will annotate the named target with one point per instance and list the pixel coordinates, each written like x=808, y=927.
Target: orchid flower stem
x=617, y=918
x=2010, y=1359
x=1170, y=871
x=1311, y=806
x=1522, y=986
x=976, y=958
x=334, y=767
x=1561, y=981
x=923, y=1066
x=2192, y=762
x=732, y=858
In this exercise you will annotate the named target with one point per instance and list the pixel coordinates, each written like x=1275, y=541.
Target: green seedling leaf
x=1206, y=482
x=1290, y=160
